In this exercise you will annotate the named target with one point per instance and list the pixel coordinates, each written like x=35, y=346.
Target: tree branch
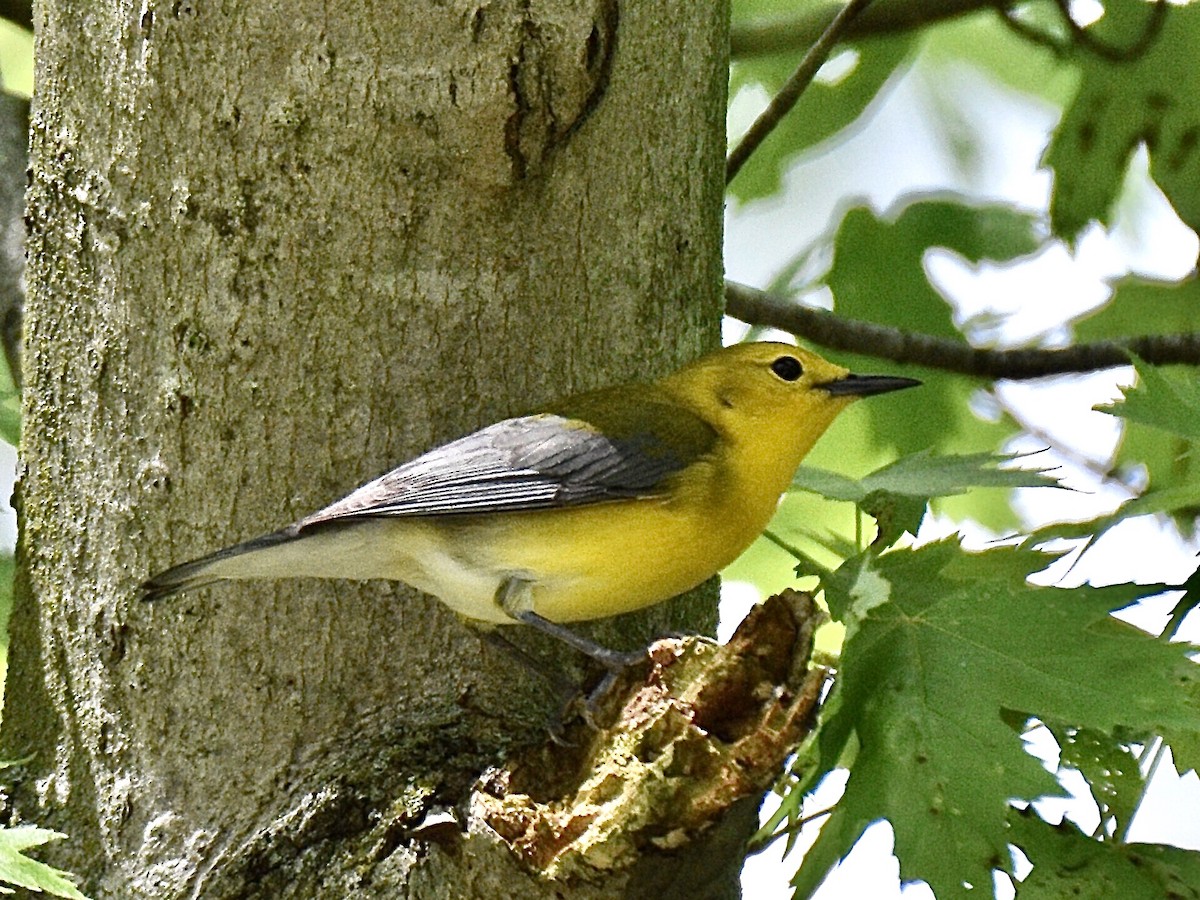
x=19, y=12
x=828, y=330
x=677, y=745
x=783, y=101
x=779, y=34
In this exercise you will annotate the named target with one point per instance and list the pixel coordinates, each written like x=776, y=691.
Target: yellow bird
x=605, y=502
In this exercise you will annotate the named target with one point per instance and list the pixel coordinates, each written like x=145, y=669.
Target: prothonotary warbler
x=602, y=503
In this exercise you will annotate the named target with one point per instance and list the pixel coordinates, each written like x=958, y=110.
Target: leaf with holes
x=943, y=648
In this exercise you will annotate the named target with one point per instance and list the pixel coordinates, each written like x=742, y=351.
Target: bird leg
x=553, y=678
x=515, y=598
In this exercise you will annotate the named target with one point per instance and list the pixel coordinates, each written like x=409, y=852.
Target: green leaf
x=1170, y=467
x=830, y=485
x=764, y=9
x=896, y=494
x=878, y=275
x=10, y=418
x=1162, y=435
x=872, y=251
x=10, y=405
x=1143, y=306
x=1185, y=750
x=1180, y=500
x=1185, y=605
x=1152, y=99
x=940, y=644
x=6, y=591
x=1068, y=863
x=1156, y=435
x=18, y=869
x=1161, y=415
x=925, y=475
x=1167, y=398
x=1110, y=769
x=823, y=110
x=984, y=41
x=1185, y=746
x=894, y=515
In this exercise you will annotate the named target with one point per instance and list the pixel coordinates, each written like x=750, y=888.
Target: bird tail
x=232, y=562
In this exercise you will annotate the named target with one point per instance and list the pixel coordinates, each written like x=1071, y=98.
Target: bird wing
x=535, y=462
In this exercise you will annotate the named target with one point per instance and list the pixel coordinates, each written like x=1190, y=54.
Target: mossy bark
x=275, y=249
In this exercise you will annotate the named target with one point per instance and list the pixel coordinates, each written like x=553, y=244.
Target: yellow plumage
x=607, y=502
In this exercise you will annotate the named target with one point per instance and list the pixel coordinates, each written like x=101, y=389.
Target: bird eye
x=788, y=368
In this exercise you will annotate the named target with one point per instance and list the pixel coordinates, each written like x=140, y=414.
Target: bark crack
x=555, y=85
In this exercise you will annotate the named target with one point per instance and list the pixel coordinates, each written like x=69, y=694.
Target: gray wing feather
x=532, y=462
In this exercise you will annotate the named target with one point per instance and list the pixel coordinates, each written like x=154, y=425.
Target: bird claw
x=587, y=705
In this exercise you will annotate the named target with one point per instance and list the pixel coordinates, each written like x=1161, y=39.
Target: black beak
x=866, y=385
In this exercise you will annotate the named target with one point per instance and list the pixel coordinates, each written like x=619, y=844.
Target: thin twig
x=1178, y=614
x=782, y=34
x=1083, y=38
x=793, y=828
x=1079, y=458
x=829, y=330
x=1157, y=755
x=797, y=554
x=779, y=34
x=1025, y=31
x=19, y=12
x=783, y=101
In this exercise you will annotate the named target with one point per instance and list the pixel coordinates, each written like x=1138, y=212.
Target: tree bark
x=275, y=249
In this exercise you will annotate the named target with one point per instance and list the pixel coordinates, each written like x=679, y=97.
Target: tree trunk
x=277, y=248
